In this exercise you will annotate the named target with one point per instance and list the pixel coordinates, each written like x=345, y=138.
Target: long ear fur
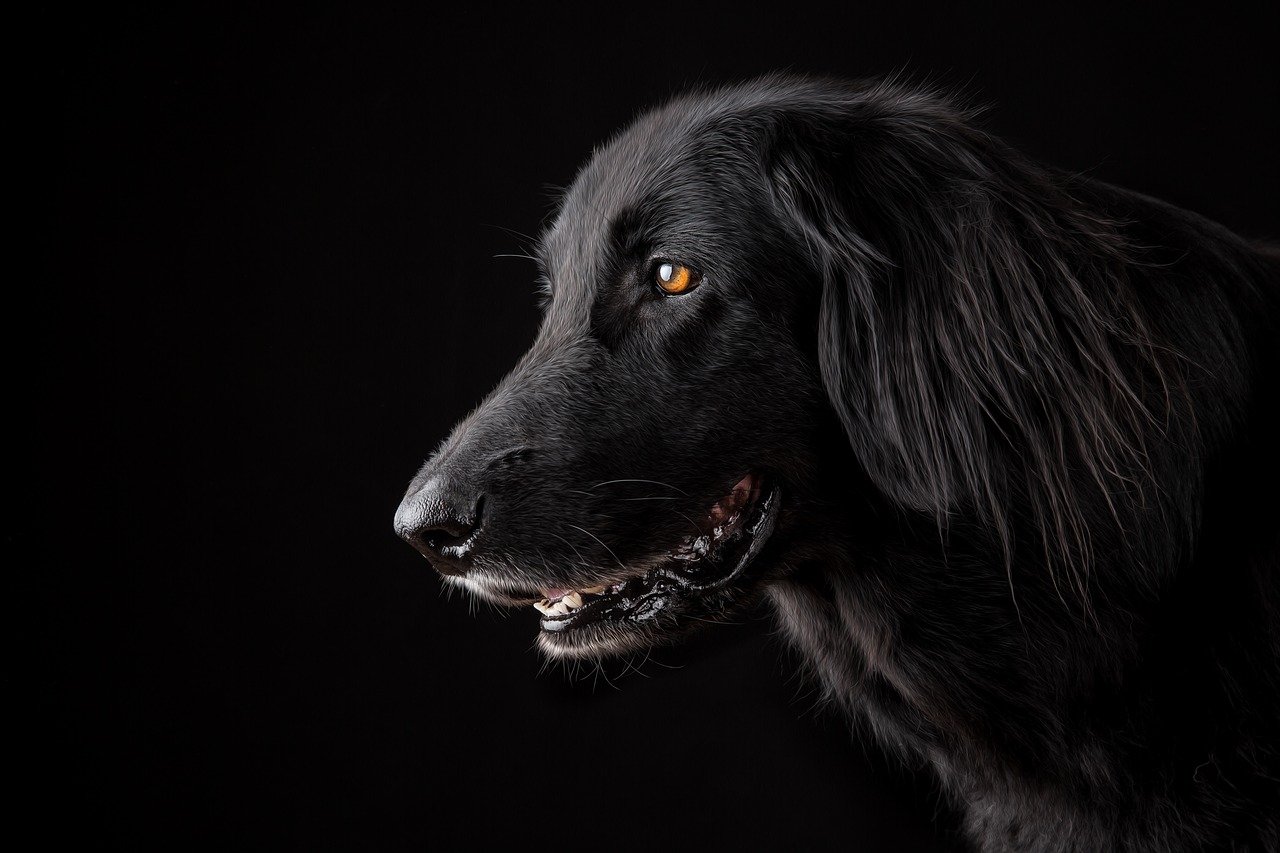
x=978, y=336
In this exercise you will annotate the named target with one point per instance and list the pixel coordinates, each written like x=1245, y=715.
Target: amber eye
x=674, y=279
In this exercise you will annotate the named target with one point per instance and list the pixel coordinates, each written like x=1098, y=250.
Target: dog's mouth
x=694, y=579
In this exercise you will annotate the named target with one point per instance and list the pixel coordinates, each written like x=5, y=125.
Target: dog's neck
x=991, y=679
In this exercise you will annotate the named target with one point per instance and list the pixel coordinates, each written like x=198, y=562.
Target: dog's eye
x=674, y=279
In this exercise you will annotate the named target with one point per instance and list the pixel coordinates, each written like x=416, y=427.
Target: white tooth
x=558, y=609
x=544, y=607
x=573, y=599
x=595, y=590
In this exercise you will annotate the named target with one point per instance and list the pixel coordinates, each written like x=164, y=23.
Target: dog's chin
x=703, y=580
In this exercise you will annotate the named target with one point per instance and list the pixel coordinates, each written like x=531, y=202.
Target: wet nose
x=440, y=519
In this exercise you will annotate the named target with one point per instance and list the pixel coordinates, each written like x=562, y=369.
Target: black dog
x=999, y=444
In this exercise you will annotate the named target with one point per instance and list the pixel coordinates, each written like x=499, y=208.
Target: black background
x=275, y=289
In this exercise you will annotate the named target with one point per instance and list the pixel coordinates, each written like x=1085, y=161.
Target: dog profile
x=997, y=443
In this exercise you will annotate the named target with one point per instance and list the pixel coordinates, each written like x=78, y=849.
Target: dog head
x=766, y=317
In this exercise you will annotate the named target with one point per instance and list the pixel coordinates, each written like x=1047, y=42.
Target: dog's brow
x=621, y=236
x=627, y=232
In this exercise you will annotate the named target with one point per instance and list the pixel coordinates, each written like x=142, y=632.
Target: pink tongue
x=554, y=594
x=746, y=486
x=734, y=501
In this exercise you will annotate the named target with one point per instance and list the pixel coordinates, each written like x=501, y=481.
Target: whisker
x=582, y=562
x=653, y=482
x=513, y=232
x=598, y=539
x=697, y=531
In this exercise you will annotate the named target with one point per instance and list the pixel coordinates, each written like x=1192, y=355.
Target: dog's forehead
x=684, y=147
x=619, y=177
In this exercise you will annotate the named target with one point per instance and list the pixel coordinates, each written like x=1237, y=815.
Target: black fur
x=1023, y=424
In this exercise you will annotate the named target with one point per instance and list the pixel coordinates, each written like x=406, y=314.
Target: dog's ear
x=975, y=335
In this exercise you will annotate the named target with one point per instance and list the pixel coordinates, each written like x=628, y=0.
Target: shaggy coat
x=1023, y=427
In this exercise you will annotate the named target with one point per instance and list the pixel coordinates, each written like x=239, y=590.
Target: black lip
x=644, y=598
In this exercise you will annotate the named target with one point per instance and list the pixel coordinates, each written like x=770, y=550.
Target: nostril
x=432, y=522
x=450, y=533
x=447, y=530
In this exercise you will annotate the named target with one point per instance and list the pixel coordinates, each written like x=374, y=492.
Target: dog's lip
x=717, y=523
x=743, y=521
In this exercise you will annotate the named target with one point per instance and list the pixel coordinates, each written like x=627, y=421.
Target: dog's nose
x=440, y=519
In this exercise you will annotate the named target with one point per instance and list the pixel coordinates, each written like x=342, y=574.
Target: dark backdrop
x=276, y=283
